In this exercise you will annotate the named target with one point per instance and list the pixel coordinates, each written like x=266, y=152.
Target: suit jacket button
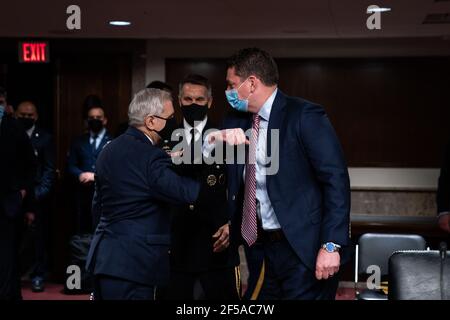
x=191, y=207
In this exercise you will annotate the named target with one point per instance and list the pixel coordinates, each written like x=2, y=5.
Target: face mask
x=2, y=111
x=166, y=132
x=194, y=112
x=95, y=125
x=233, y=99
x=27, y=123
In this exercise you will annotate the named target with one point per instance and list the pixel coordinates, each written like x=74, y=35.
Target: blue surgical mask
x=233, y=99
x=2, y=111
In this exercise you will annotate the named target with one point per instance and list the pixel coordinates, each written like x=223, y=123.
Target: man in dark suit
x=135, y=182
x=81, y=161
x=196, y=252
x=443, y=193
x=292, y=191
x=17, y=172
x=44, y=152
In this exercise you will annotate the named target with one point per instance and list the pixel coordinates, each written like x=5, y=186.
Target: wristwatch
x=331, y=247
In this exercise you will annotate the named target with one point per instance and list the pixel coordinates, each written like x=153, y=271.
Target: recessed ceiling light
x=373, y=10
x=120, y=23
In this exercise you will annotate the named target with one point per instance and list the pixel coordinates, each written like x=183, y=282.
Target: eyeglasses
x=168, y=118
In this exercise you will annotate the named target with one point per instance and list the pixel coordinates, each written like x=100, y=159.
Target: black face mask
x=95, y=125
x=27, y=123
x=166, y=132
x=194, y=112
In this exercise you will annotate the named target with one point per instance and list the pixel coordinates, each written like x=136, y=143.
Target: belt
x=271, y=235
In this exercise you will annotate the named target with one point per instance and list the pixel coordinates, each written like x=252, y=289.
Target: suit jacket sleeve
x=166, y=185
x=72, y=161
x=326, y=157
x=443, y=192
x=48, y=175
x=27, y=165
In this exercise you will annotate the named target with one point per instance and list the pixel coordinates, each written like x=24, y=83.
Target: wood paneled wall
x=388, y=112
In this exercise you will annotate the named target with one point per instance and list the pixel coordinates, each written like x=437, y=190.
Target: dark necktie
x=94, y=143
x=249, y=227
x=192, y=145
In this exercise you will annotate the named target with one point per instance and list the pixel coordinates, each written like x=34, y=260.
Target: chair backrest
x=376, y=248
x=419, y=275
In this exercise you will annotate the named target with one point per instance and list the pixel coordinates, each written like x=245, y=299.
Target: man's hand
x=229, y=136
x=327, y=264
x=444, y=222
x=223, y=238
x=29, y=218
x=23, y=193
x=86, y=177
x=175, y=154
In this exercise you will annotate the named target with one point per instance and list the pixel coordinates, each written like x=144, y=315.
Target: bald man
x=37, y=217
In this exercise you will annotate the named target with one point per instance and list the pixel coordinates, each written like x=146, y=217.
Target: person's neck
x=266, y=92
x=149, y=133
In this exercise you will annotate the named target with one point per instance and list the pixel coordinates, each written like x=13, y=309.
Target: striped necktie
x=249, y=227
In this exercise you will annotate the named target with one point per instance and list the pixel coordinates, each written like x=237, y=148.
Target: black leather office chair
x=374, y=249
x=419, y=275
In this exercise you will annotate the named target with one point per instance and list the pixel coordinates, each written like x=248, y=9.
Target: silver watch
x=331, y=247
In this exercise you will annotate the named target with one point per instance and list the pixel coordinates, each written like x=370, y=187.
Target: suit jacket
x=81, y=157
x=310, y=194
x=17, y=167
x=45, y=154
x=192, y=228
x=443, y=192
x=135, y=182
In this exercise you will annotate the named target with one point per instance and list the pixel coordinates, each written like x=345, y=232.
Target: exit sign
x=34, y=52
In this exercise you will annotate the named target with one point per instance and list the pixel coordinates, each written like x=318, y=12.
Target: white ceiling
x=221, y=19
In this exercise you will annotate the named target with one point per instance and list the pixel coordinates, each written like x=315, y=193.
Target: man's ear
x=105, y=121
x=253, y=83
x=149, y=122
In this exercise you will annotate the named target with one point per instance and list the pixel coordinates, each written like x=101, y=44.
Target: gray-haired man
x=134, y=180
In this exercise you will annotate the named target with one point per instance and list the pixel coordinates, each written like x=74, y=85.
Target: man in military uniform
x=198, y=255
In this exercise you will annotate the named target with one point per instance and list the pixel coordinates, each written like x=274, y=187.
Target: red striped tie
x=249, y=227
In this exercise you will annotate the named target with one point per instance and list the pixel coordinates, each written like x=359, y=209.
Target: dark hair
x=198, y=80
x=160, y=85
x=257, y=62
x=92, y=101
x=3, y=92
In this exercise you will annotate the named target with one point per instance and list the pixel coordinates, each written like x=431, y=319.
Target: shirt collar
x=100, y=135
x=199, y=127
x=148, y=137
x=265, y=110
x=30, y=131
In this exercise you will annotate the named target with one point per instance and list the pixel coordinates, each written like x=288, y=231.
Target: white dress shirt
x=199, y=129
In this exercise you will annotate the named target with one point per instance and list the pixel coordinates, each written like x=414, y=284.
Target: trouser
x=86, y=223
x=40, y=235
x=217, y=284
x=255, y=258
x=112, y=288
x=287, y=277
x=10, y=288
